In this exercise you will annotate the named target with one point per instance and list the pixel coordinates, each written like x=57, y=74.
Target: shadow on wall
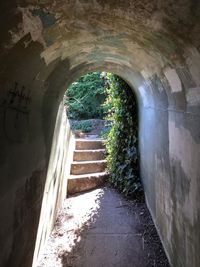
x=101, y=226
x=56, y=182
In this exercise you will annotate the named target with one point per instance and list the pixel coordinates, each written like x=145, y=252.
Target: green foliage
x=85, y=97
x=105, y=131
x=83, y=126
x=122, y=140
x=91, y=97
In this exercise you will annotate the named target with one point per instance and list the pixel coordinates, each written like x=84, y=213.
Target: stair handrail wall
x=56, y=182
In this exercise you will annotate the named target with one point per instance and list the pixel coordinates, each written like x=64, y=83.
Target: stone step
x=85, y=167
x=81, y=183
x=84, y=144
x=89, y=155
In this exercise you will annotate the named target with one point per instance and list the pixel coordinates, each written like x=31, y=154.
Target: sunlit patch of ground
x=77, y=214
x=101, y=228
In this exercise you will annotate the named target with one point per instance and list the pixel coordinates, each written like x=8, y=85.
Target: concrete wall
x=155, y=47
x=47, y=187
x=170, y=152
x=55, y=190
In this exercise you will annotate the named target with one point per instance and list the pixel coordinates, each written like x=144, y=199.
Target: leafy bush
x=85, y=97
x=122, y=140
x=105, y=131
x=83, y=126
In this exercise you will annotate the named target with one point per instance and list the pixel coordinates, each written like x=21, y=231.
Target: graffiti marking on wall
x=16, y=110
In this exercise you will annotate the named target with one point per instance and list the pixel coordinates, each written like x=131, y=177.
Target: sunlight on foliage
x=98, y=94
x=84, y=98
x=84, y=126
x=122, y=140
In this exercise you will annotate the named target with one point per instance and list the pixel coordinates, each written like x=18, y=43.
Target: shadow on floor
x=118, y=233
x=102, y=228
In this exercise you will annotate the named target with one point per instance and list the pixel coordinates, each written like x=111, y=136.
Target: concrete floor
x=102, y=229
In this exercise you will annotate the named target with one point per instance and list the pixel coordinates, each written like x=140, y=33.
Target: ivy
x=122, y=139
x=98, y=93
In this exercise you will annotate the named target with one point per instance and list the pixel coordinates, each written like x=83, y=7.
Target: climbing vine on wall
x=122, y=140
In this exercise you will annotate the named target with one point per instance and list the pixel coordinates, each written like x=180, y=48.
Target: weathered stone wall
x=155, y=47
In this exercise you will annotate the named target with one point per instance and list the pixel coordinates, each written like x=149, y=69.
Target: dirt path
x=102, y=229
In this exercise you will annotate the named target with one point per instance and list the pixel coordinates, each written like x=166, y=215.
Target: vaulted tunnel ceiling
x=145, y=36
x=155, y=46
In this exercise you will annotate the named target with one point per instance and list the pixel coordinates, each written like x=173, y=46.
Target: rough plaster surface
x=188, y=162
x=193, y=96
x=173, y=79
x=154, y=46
x=30, y=25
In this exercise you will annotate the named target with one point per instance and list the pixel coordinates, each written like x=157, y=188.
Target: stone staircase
x=88, y=169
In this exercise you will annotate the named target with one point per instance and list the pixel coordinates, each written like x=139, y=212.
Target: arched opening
x=152, y=45
x=89, y=209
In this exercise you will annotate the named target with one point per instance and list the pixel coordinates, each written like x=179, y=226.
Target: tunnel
x=154, y=45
